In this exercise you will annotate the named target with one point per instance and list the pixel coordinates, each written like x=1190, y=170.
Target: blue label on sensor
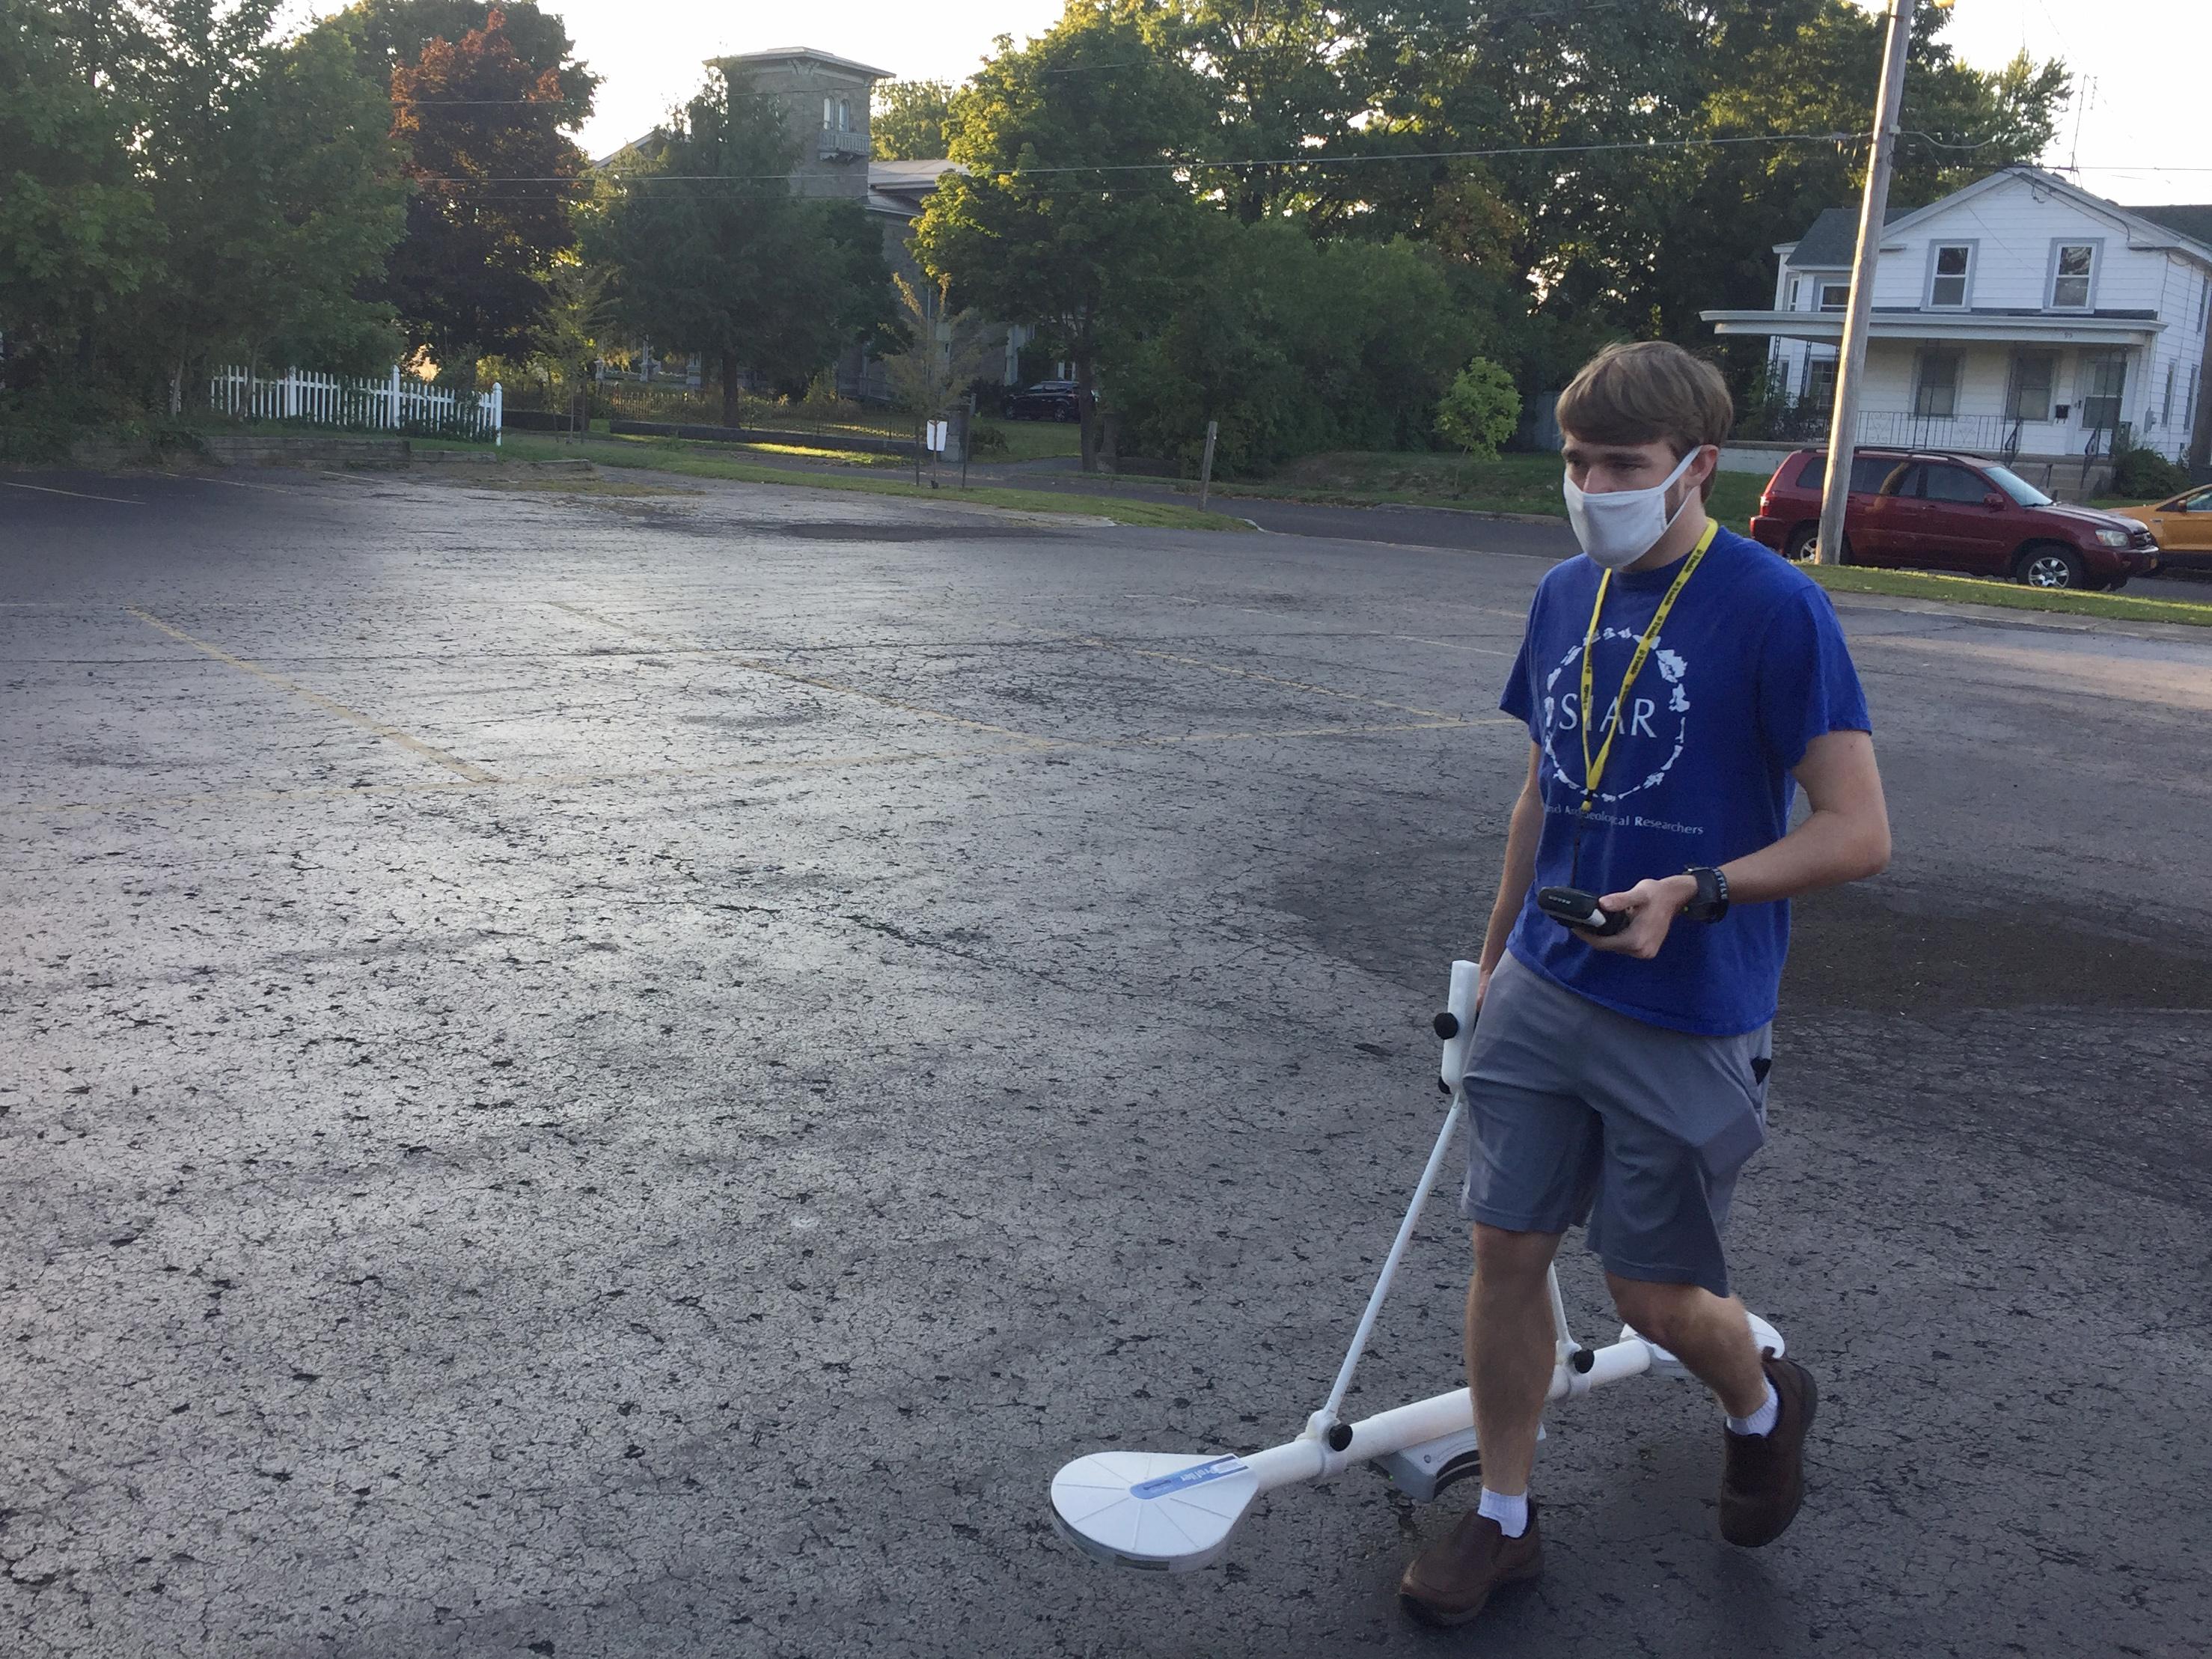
x=1197, y=1475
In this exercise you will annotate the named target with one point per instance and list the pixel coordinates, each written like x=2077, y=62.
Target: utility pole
x=1843, y=424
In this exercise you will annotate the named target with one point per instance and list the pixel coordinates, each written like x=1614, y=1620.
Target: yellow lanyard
x=1595, y=770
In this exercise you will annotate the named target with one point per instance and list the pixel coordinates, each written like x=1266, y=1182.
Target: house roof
x=1832, y=240
x=2193, y=220
x=805, y=54
x=899, y=186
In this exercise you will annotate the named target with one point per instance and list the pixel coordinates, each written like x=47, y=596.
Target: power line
x=1203, y=164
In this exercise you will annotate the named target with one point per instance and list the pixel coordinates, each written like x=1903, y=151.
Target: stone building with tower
x=825, y=102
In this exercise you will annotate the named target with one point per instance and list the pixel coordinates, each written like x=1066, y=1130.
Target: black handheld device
x=1570, y=907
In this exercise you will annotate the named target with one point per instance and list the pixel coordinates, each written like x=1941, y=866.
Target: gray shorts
x=1579, y=1114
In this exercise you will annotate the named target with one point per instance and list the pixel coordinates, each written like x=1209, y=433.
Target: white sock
x=1761, y=1421
x=1511, y=1514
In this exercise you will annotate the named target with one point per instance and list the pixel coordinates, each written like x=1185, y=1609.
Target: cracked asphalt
x=629, y=1075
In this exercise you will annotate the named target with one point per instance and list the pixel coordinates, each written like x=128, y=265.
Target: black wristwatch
x=1712, y=899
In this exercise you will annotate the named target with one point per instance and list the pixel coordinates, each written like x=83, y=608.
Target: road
x=1418, y=526
x=628, y=1075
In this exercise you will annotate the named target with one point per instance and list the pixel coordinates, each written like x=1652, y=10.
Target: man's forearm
x=1826, y=850
x=1521, y=835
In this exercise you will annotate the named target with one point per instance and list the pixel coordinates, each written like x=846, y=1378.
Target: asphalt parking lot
x=629, y=1075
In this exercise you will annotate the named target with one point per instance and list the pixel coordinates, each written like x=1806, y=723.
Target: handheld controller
x=1570, y=907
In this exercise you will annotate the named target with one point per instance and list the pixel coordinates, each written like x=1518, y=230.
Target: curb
x=2046, y=621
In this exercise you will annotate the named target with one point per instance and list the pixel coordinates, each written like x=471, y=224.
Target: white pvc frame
x=1175, y=1512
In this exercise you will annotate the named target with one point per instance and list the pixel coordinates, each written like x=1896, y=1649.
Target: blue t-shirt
x=1752, y=667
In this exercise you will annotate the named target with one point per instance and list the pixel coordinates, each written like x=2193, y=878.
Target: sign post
x=1205, y=466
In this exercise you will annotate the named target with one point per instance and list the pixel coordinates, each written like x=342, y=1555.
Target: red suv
x=1937, y=511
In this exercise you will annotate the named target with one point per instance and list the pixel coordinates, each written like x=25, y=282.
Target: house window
x=1834, y=296
x=2188, y=409
x=844, y=115
x=1821, y=383
x=829, y=114
x=2104, y=379
x=2166, y=404
x=1951, y=265
x=1797, y=293
x=2034, y=373
x=2072, y=275
x=1936, y=388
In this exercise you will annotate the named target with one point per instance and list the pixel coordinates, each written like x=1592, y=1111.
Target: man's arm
x=1845, y=837
x=1521, y=838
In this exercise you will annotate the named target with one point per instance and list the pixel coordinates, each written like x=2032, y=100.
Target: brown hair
x=1650, y=392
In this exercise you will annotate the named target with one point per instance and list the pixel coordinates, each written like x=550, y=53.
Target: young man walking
x=1680, y=682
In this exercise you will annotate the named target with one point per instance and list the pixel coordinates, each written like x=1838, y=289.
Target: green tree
x=1479, y=410
x=1293, y=345
x=495, y=175
x=710, y=252
x=943, y=352
x=907, y=123
x=77, y=235
x=269, y=165
x=1076, y=203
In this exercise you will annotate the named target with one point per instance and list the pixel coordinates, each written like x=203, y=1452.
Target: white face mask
x=1617, y=527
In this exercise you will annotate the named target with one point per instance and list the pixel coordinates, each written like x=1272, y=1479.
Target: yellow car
x=2182, y=527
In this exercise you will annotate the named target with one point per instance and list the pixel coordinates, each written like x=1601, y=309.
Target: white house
x=2021, y=316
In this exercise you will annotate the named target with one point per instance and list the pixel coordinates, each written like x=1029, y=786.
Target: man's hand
x=1652, y=907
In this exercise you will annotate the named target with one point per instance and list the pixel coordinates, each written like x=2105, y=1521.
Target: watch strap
x=1712, y=902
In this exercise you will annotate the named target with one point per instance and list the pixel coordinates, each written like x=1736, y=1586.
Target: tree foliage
x=1293, y=345
x=710, y=252
x=77, y=235
x=906, y=122
x=1479, y=410
x=493, y=167
x=943, y=352
x=268, y=165
x=1066, y=213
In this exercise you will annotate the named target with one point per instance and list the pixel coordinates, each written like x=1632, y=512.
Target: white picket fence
x=400, y=404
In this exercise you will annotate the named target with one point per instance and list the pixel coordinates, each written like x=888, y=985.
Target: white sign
x=936, y=442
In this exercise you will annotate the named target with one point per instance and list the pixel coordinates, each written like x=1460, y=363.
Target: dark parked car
x=1938, y=511
x=1048, y=400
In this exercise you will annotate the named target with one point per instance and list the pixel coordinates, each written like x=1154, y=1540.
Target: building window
x=2166, y=404
x=1936, y=388
x=1797, y=293
x=829, y=114
x=2188, y=409
x=844, y=115
x=1834, y=296
x=2034, y=375
x=2104, y=379
x=1951, y=266
x=1821, y=383
x=2072, y=275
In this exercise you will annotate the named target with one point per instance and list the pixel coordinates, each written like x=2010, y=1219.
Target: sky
x=2143, y=137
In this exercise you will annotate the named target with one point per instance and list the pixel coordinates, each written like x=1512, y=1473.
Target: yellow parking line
x=453, y=764
x=48, y=490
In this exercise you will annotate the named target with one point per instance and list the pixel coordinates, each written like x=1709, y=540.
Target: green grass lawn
x=683, y=458
x=1032, y=441
x=1966, y=590
x=1511, y=483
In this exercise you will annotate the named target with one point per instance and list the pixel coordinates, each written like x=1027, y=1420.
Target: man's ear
x=1708, y=459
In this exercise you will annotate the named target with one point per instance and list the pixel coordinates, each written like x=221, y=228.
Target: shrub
x=1480, y=410
x=2146, y=474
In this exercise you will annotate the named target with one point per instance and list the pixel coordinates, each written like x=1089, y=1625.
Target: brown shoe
x=1450, y=1582
x=1763, y=1481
